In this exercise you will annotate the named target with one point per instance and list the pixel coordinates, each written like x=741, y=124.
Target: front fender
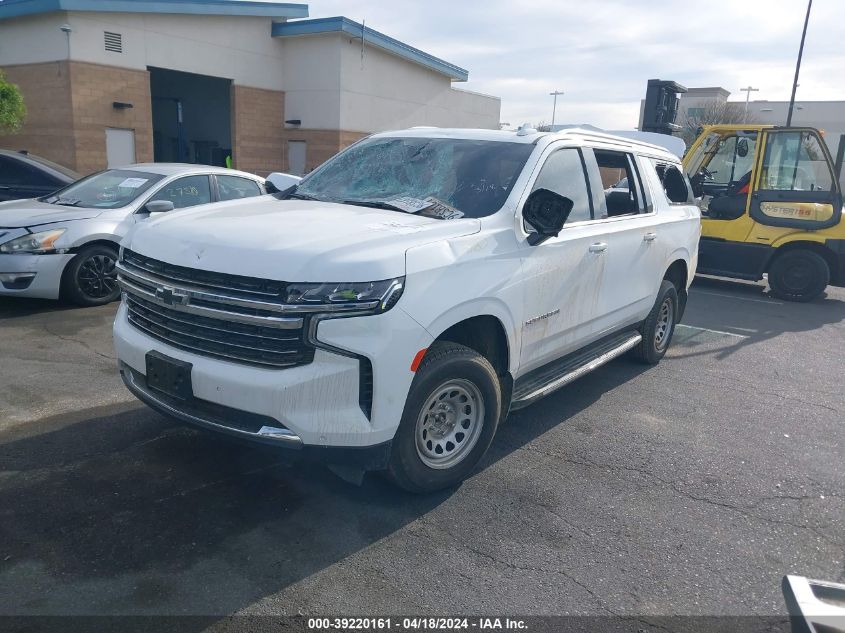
x=482, y=307
x=475, y=275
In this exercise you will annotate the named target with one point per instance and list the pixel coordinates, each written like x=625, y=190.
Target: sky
x=602, y=53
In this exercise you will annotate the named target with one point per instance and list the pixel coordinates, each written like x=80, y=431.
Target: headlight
x=33, y=243
x=366, y=296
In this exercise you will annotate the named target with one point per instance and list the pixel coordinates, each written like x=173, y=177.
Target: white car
x=390, y=310
x=67, y=242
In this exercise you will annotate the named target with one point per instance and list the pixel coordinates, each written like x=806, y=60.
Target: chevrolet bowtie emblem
x=171, y=296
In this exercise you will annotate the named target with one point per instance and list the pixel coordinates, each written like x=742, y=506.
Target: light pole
x=748, y=92
x=798, y=65
x=554, y=106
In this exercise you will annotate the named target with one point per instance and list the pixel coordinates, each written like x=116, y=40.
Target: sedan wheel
x=97, y=277
x=91, y=278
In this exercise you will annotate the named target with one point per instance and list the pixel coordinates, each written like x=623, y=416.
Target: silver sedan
x=66, y=244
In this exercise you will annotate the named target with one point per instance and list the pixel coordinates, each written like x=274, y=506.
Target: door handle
x=598, y=247
x=649, y=237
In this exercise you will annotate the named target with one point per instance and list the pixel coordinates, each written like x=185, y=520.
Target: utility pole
x=798, y=65
x=554, y=107
x=748, y=92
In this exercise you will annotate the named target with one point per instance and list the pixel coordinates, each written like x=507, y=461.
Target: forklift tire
x=798, y=275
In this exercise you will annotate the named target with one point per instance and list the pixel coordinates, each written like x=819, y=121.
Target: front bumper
x=318, y=403
x=47, y=271
x=221, y=419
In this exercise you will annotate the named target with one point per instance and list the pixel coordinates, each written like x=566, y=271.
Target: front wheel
x=450, y=417
x=799, y=275
x=659, y=326
x=90, y=279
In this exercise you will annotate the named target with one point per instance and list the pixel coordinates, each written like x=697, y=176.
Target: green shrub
x=12, y=108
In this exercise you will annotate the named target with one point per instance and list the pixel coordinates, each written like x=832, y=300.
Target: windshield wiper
x=66, y=202
x=375, y=204
x=291, y=192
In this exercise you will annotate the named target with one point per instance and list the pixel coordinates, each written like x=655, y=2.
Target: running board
x=559, y=373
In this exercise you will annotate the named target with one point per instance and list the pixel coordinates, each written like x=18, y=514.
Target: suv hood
x=20, y=213
x=292, y=240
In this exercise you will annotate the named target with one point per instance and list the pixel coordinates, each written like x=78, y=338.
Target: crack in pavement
x=689, y=495
x=757, y=393
x=71, y=339
x=505, y=563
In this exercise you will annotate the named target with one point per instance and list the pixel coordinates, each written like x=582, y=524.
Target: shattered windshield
x=440, y=177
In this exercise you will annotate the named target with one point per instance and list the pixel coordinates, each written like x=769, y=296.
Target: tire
x=659, y=326
x=432, y=419
x=90, y=278
x=798, y=275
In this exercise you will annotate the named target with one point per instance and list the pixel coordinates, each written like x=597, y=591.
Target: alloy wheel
x=97, y=277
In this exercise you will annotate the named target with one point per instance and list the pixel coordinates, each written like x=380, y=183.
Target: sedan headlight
x=42, y=242
x=366, y=296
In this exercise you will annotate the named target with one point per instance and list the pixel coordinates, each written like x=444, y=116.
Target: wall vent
x=114, y=42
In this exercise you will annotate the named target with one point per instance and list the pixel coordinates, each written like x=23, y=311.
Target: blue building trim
x=259, y=8
x=354, y=29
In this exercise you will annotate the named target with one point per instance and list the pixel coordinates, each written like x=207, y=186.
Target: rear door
x=562, y=276
x=635, y=249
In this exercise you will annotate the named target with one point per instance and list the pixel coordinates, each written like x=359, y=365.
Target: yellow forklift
x=771, y=204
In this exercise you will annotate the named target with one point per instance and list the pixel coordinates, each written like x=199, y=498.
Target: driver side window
x=725, y=176
x=185, y=192
x=563, y=173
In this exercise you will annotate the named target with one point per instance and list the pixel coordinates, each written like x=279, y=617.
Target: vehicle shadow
x=13, y=307
x=752, y=314
x=121, y=512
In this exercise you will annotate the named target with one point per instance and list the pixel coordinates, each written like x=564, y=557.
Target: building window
x=695, y=113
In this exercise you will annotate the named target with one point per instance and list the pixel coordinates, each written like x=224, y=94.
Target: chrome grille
x=229, y=317
x=236, y=285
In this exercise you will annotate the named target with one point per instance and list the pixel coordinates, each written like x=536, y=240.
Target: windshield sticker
x=133, y=183
x=438, y=209
x=409, y=204
x=394, y=227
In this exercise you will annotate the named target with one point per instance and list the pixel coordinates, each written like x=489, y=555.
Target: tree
x=711, y=112
x=12, y=108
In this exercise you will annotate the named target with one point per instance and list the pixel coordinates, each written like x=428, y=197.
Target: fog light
x=16, y=281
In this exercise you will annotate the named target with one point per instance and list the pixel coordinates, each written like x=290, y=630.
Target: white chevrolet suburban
x=388, y=311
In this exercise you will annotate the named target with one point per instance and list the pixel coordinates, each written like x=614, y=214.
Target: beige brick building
x=203, y=80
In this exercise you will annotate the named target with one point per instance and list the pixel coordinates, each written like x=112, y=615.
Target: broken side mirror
x=546, y=212
x=158, y=206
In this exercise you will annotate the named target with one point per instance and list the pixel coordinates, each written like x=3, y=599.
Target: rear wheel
x=659, y=326
x=450, y=417
x=799, y=275
x=90, y=279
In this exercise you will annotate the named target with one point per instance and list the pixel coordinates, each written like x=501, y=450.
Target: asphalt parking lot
x=687, y=488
